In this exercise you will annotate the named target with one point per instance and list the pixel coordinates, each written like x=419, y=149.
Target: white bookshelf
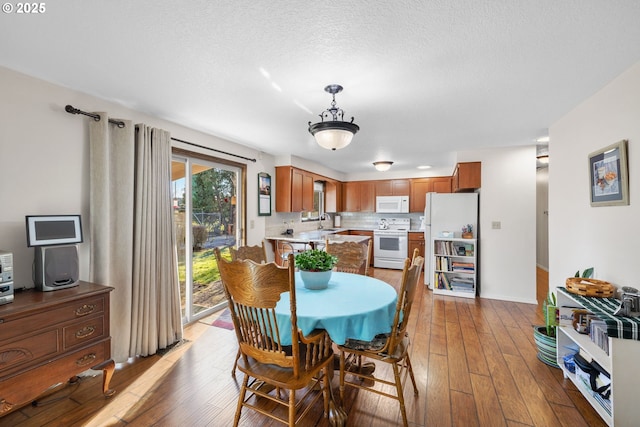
x=454, y=265
x=621, y=363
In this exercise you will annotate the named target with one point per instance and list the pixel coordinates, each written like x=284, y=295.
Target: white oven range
x=390, y=243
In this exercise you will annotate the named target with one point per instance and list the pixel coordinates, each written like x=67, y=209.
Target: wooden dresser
x=47, y=338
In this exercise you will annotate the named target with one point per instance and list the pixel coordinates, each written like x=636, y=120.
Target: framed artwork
x=264, y=194
x=609, y=176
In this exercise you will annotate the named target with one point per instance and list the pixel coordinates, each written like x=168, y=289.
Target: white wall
x=508, y=196
x=44, y=155
x=582, y=236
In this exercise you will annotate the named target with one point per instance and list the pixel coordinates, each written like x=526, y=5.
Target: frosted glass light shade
x=382, y=166
x=333, y=139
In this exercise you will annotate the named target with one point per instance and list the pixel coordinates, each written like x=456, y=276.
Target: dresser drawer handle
x=86, y=360
x=85, y=332
x=85, y=309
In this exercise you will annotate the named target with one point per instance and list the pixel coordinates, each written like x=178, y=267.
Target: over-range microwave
x=392, y=204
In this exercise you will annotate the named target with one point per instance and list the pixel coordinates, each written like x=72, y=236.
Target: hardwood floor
x=474, y=361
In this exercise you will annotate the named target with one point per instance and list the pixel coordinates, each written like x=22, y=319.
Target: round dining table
x=352, y=306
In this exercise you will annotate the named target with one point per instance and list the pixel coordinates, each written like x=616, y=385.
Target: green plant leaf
x=587, y=273
x=315, y=260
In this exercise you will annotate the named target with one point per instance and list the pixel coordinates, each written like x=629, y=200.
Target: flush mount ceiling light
x=334, y=133
x=382, y=166
x=544, y=158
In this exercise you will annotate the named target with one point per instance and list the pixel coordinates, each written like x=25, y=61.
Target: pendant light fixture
x=334, y=133
x=382, y=166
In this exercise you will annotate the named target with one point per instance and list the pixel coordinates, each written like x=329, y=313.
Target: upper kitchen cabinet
x=442, y=184
x=466, y=177
x=294, y=189
x=421, y=186
x=359, y=196
x=393, y=187
x=332, y=196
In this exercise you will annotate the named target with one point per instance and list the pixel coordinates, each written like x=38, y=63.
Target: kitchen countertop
x=319, y=236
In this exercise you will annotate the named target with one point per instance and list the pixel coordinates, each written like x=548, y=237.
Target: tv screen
x=50, y=230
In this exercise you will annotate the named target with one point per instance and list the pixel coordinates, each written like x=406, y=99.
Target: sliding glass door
x=206, y=202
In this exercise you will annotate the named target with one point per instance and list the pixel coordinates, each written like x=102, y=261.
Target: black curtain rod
x=213, y=149
x=69, y=109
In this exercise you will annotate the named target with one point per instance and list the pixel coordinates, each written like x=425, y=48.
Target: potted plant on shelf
x=315, y=268
x=545, y=335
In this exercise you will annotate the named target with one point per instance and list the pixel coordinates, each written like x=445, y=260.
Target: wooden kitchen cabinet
x=332, y=196
x=442, y=184
x=47, y=338
x=416, y=240
x=393, y=187
x=359, y=196
x=467, y=177
x=294, y=189
x=421, y=186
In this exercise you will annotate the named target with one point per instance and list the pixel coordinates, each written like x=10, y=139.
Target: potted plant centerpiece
x=315, y=268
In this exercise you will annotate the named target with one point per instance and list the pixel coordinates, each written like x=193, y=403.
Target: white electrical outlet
x=252, y=224
x=496, y=225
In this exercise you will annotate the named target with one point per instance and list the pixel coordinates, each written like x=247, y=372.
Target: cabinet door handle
x=85, y=332
x=85, y=360
x=85, y=309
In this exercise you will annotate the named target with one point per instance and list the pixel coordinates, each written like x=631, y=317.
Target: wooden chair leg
x=243, y=393
x=235, y=364
x=413, y=379
x=396, y=376
x=292, y=408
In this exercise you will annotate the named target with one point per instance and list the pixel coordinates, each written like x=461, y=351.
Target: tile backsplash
x=278, y=222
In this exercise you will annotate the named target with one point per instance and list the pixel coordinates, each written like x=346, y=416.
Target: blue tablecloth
x=352, y=306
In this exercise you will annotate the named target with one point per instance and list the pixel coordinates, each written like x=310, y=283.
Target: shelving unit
x=621, y=363
x=454, y=265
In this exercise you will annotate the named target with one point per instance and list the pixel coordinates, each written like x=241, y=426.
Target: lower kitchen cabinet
x=416, y=240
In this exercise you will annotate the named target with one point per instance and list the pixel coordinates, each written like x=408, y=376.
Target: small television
x=53, y=230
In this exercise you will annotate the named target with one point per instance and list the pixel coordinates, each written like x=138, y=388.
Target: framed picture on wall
x=609, y=176
x=264, y=194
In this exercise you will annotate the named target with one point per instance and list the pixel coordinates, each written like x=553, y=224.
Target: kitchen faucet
x=322, y=218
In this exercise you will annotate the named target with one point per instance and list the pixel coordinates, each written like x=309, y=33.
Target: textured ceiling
x=422, y=78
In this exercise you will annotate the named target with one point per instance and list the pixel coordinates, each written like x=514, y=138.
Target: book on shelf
x=598, y=333
x=442, y=281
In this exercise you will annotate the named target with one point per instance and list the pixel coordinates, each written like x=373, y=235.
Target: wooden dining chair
x=257, y=253
x=392, y=348
x=352, y=257
x=253, y=291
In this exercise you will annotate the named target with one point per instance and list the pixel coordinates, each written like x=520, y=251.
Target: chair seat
x=376, y=344
x=371, y=349
x=280, y=376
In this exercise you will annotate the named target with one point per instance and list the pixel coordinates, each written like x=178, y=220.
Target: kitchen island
x=310, y=239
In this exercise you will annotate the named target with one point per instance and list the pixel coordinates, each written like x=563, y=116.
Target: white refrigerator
x=447, y=212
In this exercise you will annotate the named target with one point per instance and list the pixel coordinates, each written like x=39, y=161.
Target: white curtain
x=132, y=242
x=156, y=318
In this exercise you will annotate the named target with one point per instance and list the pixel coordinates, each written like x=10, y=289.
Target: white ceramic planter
x=315, y=279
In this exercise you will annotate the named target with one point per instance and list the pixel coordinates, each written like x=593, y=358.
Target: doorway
x=206, y=202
